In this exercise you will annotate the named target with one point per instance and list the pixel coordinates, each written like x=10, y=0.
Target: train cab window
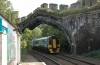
x=57, y=41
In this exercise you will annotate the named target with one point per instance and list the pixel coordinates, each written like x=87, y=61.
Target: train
x=49, y=44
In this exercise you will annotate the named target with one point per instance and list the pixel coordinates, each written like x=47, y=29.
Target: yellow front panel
x=49, y=46
x=58, y=49
x=51, y=51
x=54, y=43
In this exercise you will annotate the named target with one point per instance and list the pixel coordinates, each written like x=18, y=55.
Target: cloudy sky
x=26, y=6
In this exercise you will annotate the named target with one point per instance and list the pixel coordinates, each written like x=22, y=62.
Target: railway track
x=53, y=58
x=47, y=60
x=62, y=59
x=82, y=59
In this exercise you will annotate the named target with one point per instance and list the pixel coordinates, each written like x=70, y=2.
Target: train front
x=54, y=44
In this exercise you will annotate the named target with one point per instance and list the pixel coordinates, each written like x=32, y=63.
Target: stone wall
x=44, y=5
x=18, y=20
x=63, y=7
x=53, y=6
x=91, y=2
x=73, y=5
x=23, y=18
x=76, y=5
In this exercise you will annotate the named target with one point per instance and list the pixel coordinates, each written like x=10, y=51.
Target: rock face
x=82, y=30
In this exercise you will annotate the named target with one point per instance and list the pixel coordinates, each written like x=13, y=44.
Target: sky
x=27, y=6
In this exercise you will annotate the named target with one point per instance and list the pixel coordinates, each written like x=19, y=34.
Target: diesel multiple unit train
x=50, y=44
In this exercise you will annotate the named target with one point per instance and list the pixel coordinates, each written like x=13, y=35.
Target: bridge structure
x=82, y=30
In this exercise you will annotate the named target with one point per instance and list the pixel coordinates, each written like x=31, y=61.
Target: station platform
x=30, y=60
x=33, y=63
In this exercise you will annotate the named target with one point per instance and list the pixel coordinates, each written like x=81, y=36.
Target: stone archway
x=45, y=19
x=81, y=30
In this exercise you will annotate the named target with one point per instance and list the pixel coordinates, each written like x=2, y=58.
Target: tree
x=24, y=40
x=5, y=8
x=26, y=37
x=24, y=44
x=29, y=35
x=36, y=33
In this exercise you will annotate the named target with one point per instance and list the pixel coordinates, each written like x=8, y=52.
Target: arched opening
x=45, y=30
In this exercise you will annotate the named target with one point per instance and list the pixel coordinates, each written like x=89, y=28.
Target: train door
x=54, y=43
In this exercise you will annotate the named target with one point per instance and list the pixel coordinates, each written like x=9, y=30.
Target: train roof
x=45, y=37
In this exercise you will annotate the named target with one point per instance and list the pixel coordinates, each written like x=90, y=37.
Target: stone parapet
x=44, y=5
x=23, y=18
x=89, y=3
x=63, y=7
x=76, y=5
x=18, y=20
x=53, y=6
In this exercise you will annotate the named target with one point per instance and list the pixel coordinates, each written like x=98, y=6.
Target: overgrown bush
x=93, y=54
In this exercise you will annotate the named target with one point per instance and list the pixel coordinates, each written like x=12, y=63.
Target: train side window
x=46, y=40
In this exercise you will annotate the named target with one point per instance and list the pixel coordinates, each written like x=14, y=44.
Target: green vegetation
x=26, y=40
x=93, y=54
x=7, y=10
x=27, y=37
x=5, y=7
